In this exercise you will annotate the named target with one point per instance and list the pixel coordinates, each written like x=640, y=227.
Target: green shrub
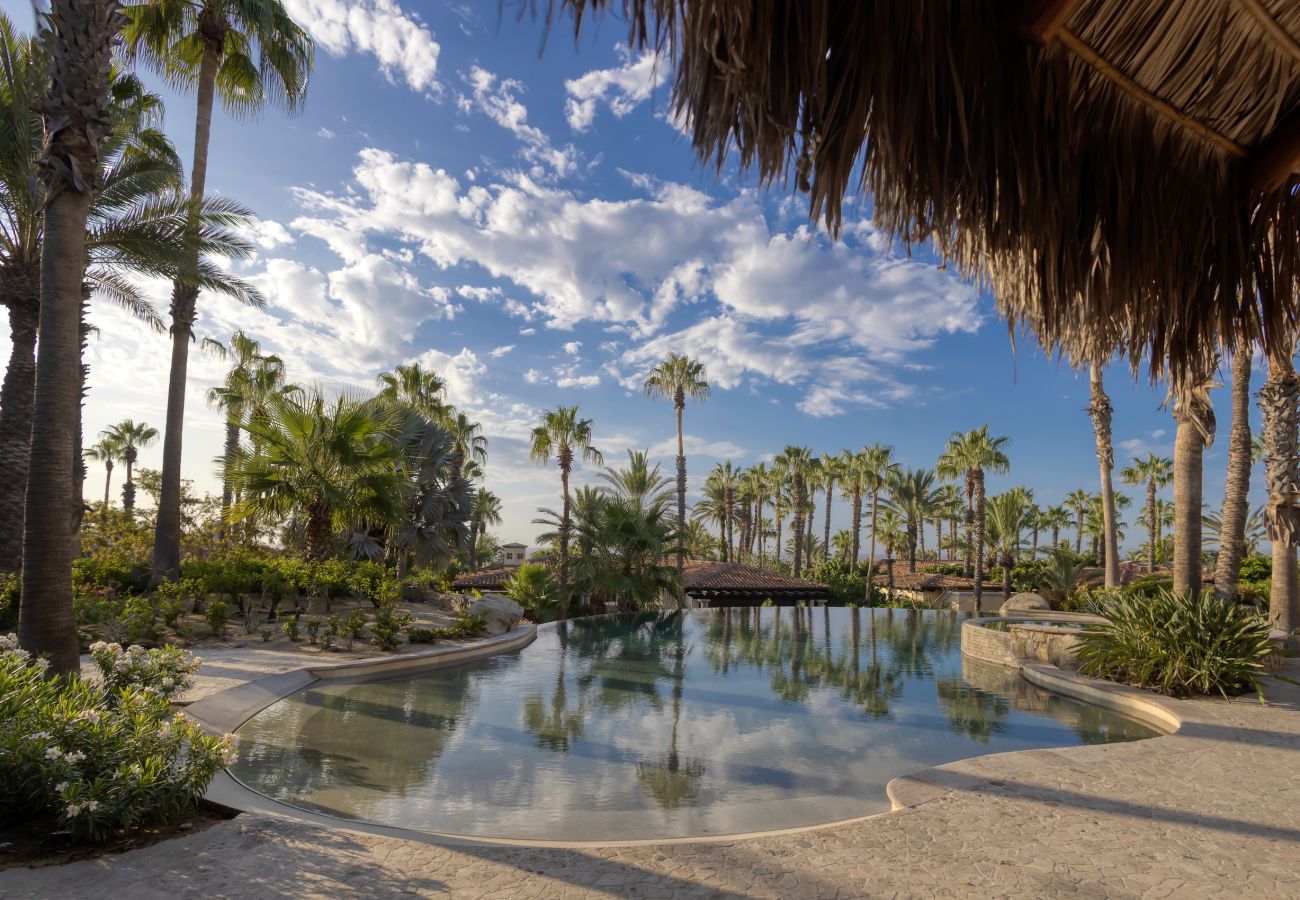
x=387, y=625
x=217, y=615
x=112, y=569
x=313, y=630
x=8, y=600
x=350, y=627
x=533, y=588
x=1149, y=586
x=100, y=758
x=1177, y=644
x=291, y=628
x=423, y=635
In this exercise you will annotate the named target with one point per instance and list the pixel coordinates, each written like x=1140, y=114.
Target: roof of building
x=514, y=544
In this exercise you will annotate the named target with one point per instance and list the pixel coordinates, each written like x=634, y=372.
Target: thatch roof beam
x=1042, y=19
x=1145, y=97
x=1280, y=35
x=1277, y=156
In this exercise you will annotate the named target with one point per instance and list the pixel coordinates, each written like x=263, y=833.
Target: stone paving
x=1213, y=811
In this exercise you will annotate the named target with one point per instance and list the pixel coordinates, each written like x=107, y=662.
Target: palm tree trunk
x=826, y=528
x=566, y=463
x=970, y=524
x=1153, y=526
x=1232, y=525
x=871, y=560
x=679, y=402
x=16, y=416
x=1056, y=536
x=167, y=532
x=798, y=524
x=228, y=459
x=1100, y=410
x=1278, y=401
x=978, y=481
x=108, y=484
x=1007, y=563
x=857, y=519
x=128, y=488
x=1195, y=431
x=81, y=37
x=778, y=531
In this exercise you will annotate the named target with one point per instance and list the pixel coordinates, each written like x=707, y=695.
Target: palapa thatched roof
x=1120, y=169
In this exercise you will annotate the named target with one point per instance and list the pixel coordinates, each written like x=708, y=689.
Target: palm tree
x=1236, y=494
x=79, y=36
x=1281, y=462
x=912, y=494
x=697, y=541
x=877, y=463
x=251, y=54
x=1196, y=425
x=678, y=377
x=1055, y=518
x=833, y=473
x=1079, y=502
x=727, y=478
x=640, y=483
x=415, y=388
x=107, y=451
x=471, y=445
x=1099, y=408
x=486, y=513
x=626, y=563
x=560, y=434
x=1155, y=472
x=798, y=462
x=1007, y=520
x=972, y=454
x=130, y=436
x=892, y=533
x=851, y=465
x=332, y=464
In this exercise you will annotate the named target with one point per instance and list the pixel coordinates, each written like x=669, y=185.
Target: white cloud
x=403, y=45
x=571, y=379
x=622, y=88
x=324, y=133
x=498, y=352
x=269, y=234
x=572, y=347
x=696, y=446
x=532, y=376
x=498, y=100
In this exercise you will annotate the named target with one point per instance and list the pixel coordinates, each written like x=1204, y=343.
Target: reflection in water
x=660, y=725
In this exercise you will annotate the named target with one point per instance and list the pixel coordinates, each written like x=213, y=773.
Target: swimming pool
x=659, y=725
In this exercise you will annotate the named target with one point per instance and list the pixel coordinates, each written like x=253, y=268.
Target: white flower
x=61, y=787
x=98, y=646
x=121, y=664
x=52, y=753
x=75, y=756
x=90, y=805
x=39, y=736
x=8, y=641
x=72, y=809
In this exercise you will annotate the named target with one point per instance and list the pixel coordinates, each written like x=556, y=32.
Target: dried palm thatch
x=1121, y=168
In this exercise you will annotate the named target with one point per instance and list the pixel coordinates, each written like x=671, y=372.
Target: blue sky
x=532, y=225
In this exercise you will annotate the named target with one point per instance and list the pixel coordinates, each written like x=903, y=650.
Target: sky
x=526, y=218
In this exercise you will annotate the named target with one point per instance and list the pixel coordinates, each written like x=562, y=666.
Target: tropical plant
x=414, y=387
x=560, y=434
x=1155, y=472
x=485, y=514
x=106, y=451
x=249, y=54
x=467, y=437
x=697, y=543
x=640, y=482
x=130, y=436
x=678, y=377
x=626, y=562
x=1059, y=576
x=970, y=455
x=1194, y=413
x=1054, y=518
x=1236, y=493
x=876, y=462
x=1078, y=501
x=435, y=497
x=531, y=587
x=911, y=494
x=1177, y=643
x=797, y=463
x=833, y=473
x=1008, y=518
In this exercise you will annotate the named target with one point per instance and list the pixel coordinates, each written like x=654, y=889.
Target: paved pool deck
x=1211, y=811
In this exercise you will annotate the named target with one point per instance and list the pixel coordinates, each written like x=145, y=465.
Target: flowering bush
x=101, y=756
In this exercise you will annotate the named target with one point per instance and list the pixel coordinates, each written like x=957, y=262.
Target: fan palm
x=1055, y=518
x=1155, y=472
x=414, y=387
x=678, y=377
x=560, y=434
x=467, y=435
x=833, y=472
x=1008, y=518
x=249, y=54
x=640, y=482
x=436, y=499
x=971, y=455
x=332, y=464
x=911, y=495
x=697, y=543
x=725, y=478
x=892, y=533
x=107, y=451
x=876, y=464
x=798, y=463
x=626, y=562
x=1078, y=501
x=1236, y=494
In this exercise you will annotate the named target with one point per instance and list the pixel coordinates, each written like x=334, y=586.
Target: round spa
x=659, y=725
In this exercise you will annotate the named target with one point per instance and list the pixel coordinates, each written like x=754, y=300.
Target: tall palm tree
x=560, y=434
x=130, y=436
x=1007, y=521
x=1101, y=412
x=877, y=461
x=485, y=514
x=471, y=445
x=107, y=451
x=972, y=454
x=80, y=36
x=1078, y=501
x=678, y=377
x=1236, y=494
x=912, y=494
x=250, y=54
x=833, y=473
x=416, y=388
x=851, y=485
x=798, y=462
x=891, y=532
x=1277, y=403
x=640, y=482
x=1055, y=518
x=1195, y=431
x=758, y=480
x=1155, y=472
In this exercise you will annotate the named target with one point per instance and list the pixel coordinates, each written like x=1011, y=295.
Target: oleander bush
x=1179, y=644
x=465, y=626
x=101, y=756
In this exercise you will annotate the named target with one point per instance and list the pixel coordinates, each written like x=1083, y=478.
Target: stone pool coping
x=227, y=710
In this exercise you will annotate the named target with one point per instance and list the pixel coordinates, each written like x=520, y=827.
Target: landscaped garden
x=289, y=638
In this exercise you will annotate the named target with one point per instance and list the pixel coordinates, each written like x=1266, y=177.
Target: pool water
x=660, y=725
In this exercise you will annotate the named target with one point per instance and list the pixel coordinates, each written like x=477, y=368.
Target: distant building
x=513, y=555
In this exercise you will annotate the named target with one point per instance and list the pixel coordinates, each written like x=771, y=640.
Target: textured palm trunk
x=798, y=524
x=16, y=415
x=970, y=524
x=778, y=530
x=1007, y=562
x=729, y=499
x=1195, y=432
x=679, y=403
x=826, y=528
x=108, y=485
x=938, y=538
x=1153, y=526
x=952, y=536
x=78, y=460
x=566, y=466
x=871, y=560
x=318, y=530
x=911, y=545
x=856, y=517
x=1236, y=494
x=128, y=487
x=1099, y=408
x=977, y=479
x=1278, y=400
x=228, y=460
x=167, y=531
x=1056, y=536
x=81, y=37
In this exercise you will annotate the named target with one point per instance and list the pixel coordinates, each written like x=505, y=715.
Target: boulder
x=1023, y=602
x=502, y=613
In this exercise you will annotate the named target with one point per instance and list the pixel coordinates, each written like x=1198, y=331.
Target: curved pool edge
x=225, y=711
